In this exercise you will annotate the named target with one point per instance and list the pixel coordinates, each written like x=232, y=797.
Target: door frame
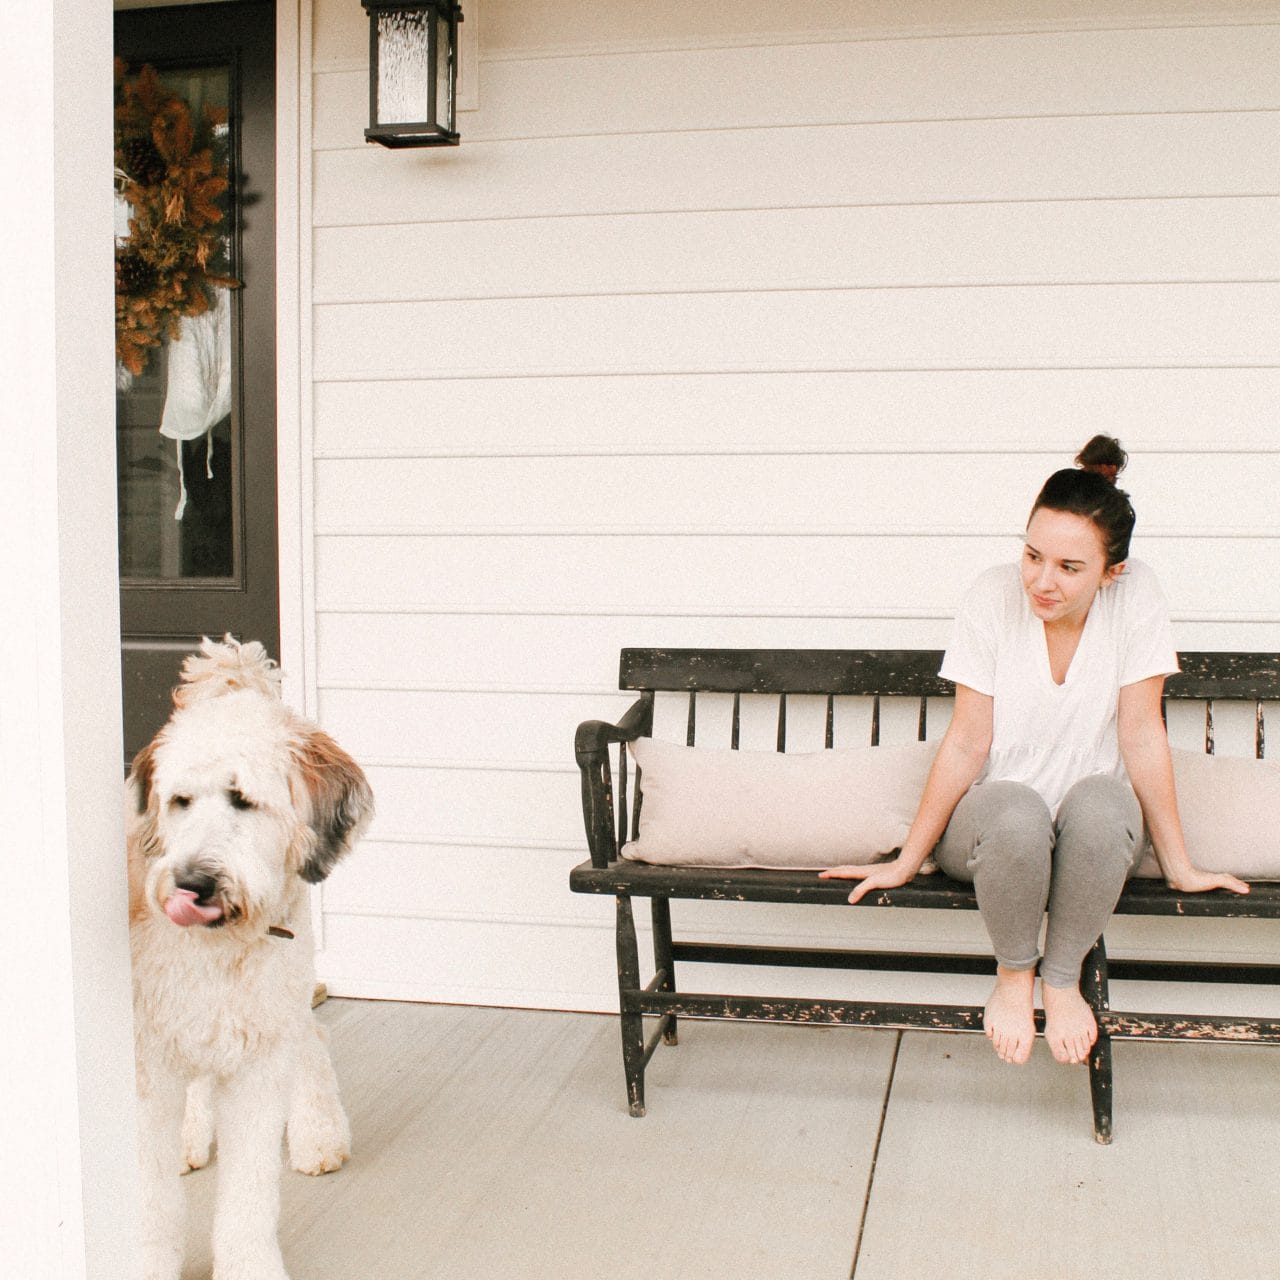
x=295, y=514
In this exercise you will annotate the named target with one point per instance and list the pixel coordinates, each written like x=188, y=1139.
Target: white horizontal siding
x=656, y=357
x=840, y=574
x=514, y=805
x=1040, y=413
x=1059, y=158
x=550, y=28
x=855, y=493
x=906, y=246
x=1058, y=326
x=1118, y=72
x=496, y=726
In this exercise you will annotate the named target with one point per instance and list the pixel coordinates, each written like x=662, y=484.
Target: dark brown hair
x=1089, y=489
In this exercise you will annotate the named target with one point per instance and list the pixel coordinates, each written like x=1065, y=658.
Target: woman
x=1055, y=756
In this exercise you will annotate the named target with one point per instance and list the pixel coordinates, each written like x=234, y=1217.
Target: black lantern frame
x=413, y=73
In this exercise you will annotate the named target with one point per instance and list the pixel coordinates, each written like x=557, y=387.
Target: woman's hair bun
x=1089, y=489
x=1104, y=455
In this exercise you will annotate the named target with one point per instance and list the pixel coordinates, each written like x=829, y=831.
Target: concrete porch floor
x=496, y=1143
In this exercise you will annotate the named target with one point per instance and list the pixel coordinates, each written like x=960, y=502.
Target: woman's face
x=1063, y=566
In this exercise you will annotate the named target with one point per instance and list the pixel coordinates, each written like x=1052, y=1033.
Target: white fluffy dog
x=233, y=808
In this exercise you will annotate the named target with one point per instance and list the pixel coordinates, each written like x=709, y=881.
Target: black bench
x=609, y=816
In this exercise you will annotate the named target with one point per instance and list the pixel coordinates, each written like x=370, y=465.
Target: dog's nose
x=203, y=886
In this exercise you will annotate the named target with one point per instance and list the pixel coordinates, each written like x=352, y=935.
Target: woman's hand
x=961, y=755
x=1193, y=880
x=874, y=875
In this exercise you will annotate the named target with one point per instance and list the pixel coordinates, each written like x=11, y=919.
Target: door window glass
x=177, y=452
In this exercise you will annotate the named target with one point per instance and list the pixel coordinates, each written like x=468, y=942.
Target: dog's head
x=234, y=800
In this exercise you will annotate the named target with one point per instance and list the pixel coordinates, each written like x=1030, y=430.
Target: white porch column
x=68, y=1196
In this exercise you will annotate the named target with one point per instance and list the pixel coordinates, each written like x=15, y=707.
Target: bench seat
x=931, y=892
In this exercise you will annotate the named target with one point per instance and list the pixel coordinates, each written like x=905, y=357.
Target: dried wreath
x=175, y=254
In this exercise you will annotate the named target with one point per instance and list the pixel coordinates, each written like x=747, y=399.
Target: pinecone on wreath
x=142, y=162
x=176, y=252
x=135, y=276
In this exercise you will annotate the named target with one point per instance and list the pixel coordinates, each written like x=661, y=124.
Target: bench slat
x=1176, y=1026
x=936, y=892
x=944, y=1017
x=910, y=672
x=1125, y=969
x=903, y=672
x=849, y=1013
x=1253, y=677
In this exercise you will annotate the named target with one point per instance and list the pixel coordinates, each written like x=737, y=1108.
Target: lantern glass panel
x=404, y=67
x=444, y=81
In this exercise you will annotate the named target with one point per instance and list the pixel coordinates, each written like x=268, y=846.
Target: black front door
x=195, y=328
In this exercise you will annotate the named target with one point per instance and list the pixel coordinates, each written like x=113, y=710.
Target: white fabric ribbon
x=198, y=395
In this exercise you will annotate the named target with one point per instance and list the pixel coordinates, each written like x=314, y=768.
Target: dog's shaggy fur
x=232, y=809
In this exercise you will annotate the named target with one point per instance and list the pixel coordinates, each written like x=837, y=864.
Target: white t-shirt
x=1047, y=735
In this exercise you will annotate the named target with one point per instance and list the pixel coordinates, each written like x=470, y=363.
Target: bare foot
x=1009, y=1018
x=1069, y=1025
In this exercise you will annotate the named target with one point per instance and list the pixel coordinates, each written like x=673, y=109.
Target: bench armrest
x=595, y=735
x=591, y=746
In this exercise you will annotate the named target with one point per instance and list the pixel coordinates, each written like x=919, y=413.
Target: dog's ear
x=337, y=799
x=142, y=833
x=138, y=782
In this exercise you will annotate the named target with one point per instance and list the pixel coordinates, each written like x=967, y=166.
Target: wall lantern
x=413, y=73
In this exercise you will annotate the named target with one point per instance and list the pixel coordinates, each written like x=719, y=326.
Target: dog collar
x=279, y=931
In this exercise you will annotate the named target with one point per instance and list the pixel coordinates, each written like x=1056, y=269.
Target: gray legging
x=1021, y=861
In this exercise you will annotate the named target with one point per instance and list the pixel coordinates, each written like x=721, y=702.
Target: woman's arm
x=1145, y=748
x=961, y=755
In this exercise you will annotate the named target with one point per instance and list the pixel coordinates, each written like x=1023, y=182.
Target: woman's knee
x=1004, y=823
x=1100, y=821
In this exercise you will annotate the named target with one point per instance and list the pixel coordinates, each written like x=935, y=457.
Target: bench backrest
x=1205, y=677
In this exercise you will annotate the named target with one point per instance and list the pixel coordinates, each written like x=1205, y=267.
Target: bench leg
x=663, y=961
x=1100, y=1088
x=1093, y=985
x=632, y=1023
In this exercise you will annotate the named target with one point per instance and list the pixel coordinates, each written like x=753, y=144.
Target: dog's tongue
x=182, y=908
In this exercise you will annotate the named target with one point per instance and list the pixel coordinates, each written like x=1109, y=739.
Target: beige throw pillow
x=721, y=808
x=1230, y=810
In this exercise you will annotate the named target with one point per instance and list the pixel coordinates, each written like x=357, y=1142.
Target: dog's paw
x=195, y=1154
x=319, y=1137
x=318, y=1159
